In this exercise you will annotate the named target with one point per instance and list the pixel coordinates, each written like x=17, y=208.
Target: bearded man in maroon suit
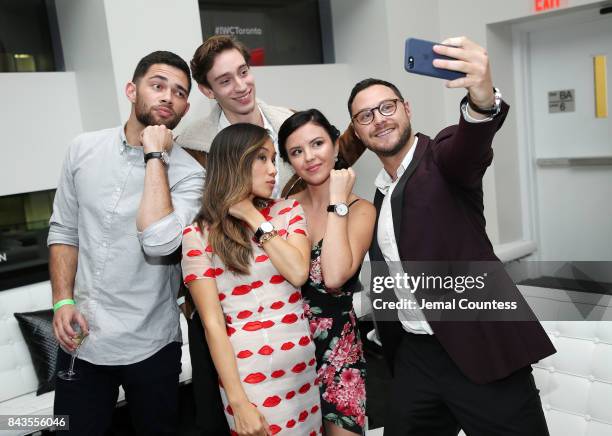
x=470, y=374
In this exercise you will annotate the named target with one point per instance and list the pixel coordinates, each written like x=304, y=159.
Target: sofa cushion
x=37, y=330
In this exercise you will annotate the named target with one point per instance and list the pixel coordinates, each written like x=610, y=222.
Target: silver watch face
x=498, y=99
x=266, y=227
x=341, y=209
x=165, y=157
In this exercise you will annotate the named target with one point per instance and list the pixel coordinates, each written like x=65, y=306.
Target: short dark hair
x=366, y=83
x=299, y=119
x=161, y=57
x=204, y=56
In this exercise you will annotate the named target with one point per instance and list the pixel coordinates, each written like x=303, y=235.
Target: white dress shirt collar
x=224, y=122
x=384, y=181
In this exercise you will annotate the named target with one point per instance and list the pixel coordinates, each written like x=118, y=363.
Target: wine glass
x=70, y=374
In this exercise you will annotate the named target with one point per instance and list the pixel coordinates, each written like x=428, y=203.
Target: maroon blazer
x=437, y=209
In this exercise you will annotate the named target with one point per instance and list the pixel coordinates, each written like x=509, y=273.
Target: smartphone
x=418, y=58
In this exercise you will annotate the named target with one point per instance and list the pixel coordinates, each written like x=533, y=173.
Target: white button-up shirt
x=413, y=320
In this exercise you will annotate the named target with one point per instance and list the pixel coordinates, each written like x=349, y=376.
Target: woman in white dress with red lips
x=243, y=260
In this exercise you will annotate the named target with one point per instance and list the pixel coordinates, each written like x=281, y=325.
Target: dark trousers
x=431, y=397
x=210, y=418
x=151, y=391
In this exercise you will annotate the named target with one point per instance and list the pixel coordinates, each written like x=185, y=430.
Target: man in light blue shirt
x=124, y=196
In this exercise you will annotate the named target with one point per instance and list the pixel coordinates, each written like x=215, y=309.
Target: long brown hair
x=228, y=181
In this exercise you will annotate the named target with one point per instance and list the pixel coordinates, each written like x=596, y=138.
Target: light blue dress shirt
x=126, y=281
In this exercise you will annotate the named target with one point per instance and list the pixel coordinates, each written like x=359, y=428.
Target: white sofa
x=575, y=383
x=18, y=382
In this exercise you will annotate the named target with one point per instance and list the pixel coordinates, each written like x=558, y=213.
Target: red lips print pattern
x=295, y=219
x=277, y=305
x=255, y=377
x=276, y=279
x=190, y=278
x=213, y=272
x=266, y=327
x=272, y=401
x=261, y=258
x=266, y=350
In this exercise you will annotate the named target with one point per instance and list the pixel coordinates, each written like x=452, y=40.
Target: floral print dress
x=341, y=367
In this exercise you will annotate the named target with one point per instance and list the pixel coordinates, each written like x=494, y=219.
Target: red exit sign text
x=545, y=5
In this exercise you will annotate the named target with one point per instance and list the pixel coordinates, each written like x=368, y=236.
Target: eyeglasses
x=385, y=108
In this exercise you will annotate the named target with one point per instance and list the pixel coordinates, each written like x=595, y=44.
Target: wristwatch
x=341, y=209
x=264, y=229
x=161, y=155
x=492, y=111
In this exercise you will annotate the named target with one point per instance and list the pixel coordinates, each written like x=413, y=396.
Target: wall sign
x=561, y=101
x=601, y=86
x=277, y=32
x=546, y=5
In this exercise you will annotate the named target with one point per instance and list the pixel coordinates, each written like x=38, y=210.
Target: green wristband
x=62, y=303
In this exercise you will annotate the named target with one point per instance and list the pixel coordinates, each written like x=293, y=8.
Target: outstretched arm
x=464, y=152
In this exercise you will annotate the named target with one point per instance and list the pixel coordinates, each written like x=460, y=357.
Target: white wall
x=487, y=22
x=40, y=117
x=87, y=53
x=572, y=201
x=138, y=27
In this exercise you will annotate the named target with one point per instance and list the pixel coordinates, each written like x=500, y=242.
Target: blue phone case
x=418, y=59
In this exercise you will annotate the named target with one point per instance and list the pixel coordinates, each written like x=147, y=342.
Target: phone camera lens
x=411, y=62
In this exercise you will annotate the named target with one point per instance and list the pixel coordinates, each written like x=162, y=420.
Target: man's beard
x=146, y=117
x=404, y=137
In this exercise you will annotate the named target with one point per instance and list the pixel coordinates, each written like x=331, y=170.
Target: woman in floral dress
x=243, y=261
x=340, y=225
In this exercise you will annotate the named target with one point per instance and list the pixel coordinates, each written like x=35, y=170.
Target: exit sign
x=546, y=5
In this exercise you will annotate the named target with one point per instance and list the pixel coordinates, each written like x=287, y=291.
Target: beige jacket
x=199, y=134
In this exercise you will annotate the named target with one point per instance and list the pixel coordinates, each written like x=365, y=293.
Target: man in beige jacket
x=220, y=66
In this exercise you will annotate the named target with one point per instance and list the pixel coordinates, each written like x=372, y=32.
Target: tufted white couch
x=575, y=383
x=18, y=382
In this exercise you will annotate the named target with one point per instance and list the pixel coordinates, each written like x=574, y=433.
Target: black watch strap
x=153, y=155
x=261, y=231
x=492, y=111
